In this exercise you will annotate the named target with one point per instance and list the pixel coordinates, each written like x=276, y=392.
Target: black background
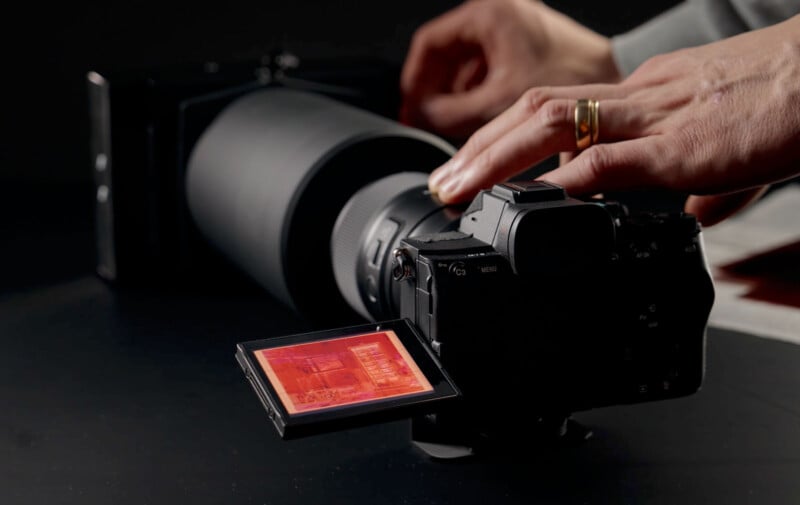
x=49, y=49
x=135, y=397
x=46, y=192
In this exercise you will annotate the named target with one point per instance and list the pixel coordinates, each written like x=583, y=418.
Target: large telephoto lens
x=269, y=177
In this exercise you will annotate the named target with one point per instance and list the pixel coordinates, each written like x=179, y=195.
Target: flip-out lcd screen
x=342, y=371
x=335, y=379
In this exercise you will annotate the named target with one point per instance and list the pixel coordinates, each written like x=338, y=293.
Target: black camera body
x=553, y=305
x=529, y=300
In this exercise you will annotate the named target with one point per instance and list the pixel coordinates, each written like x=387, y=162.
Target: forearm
x=694, y=23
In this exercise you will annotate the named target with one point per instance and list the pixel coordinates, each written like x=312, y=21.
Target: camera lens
x=269, y=176
x=370, y=227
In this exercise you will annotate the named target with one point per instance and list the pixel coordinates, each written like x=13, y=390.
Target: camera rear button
x=458, y=268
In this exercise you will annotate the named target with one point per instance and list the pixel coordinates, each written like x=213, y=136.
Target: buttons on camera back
x=458, y=268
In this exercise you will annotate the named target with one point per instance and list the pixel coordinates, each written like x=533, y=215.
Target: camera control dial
x=402, y=265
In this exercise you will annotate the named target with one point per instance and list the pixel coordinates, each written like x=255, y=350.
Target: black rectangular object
x=144, y=125
x=436, y=388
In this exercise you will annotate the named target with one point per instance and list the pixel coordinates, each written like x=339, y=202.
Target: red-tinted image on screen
x=342, y=371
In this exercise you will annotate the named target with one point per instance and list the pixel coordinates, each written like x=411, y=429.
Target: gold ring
x=587, y=123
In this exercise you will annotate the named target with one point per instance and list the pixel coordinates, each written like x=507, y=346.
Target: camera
x=531, y=300
x=491, y=320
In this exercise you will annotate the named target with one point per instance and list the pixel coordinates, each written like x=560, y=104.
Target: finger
x=460, y=114
x=456, y=68
x=470, y=74
x=524, y=108
x=712, y=209
x=528, y=104
x=432, y=47
x=440, y=73
x=547, y=131
x=550, y=130
x=631, y=164
x=566, y=157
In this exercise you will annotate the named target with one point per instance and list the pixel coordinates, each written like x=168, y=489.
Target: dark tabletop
x=111, y=396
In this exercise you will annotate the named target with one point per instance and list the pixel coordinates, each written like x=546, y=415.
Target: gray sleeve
x=697, y=22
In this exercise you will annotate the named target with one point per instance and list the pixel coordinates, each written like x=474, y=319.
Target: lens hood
x=269, y=176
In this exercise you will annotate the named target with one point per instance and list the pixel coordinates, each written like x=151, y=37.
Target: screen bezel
x=351, y=415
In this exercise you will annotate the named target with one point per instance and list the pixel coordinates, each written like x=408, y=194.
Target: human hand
x=721, y=119
x=471, y=63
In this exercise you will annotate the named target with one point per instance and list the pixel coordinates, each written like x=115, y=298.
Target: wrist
x=605, y=63
x=586, y=56
x=593, y=60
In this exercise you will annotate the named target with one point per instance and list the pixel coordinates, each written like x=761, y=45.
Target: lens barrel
x=370, y=227
x=268, y=178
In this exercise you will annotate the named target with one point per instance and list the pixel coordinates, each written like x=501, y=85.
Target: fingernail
x=448, y=189
x=439, y=175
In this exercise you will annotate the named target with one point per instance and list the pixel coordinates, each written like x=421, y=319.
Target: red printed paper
x=342, y=371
